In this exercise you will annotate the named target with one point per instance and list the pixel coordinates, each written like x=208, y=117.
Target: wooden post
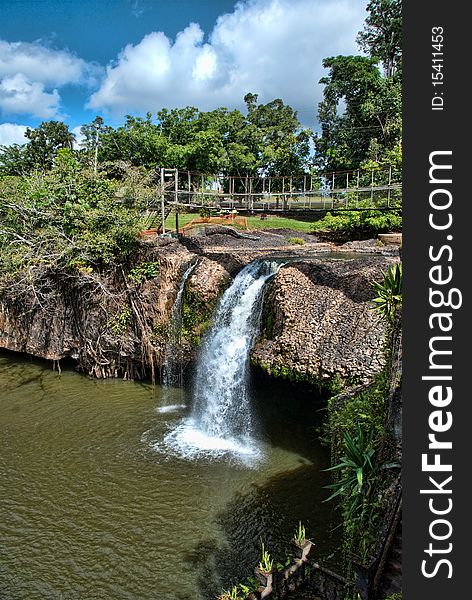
x=347, y=190
x=163, y=209
x=189, y=182
x=389, y=184
x=372, y=189
x=332, y=190
x=176, y=186
x=357, y=194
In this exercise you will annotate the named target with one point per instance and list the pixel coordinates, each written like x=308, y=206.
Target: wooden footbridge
x=305, y=193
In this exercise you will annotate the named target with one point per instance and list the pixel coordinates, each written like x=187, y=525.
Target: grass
x=255, y=222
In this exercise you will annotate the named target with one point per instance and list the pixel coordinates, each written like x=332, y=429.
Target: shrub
x=68, y=218
x=360, y=222
x=143, y=272
x=296, y=240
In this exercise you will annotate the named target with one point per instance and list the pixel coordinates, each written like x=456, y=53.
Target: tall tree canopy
x=39, y=152
x=360, y=114
x=268, y=139
x=382, y=33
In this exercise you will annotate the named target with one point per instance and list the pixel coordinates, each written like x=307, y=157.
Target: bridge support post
x=163, y=208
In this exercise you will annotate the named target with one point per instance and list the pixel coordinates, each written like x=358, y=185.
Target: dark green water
x=89, y=510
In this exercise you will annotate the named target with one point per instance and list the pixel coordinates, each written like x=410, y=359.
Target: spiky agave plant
x=389, y=292
x=357, y=469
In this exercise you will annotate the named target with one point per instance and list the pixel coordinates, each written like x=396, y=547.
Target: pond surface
x=93, y=507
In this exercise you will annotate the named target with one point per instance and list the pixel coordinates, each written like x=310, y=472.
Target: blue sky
x=72, y=60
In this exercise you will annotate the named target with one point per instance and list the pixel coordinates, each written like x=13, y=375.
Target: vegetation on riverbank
x=364, y=455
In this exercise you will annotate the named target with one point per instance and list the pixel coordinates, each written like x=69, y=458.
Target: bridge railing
x=353, y=190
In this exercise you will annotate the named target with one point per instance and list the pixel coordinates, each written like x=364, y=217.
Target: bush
x=68, y=218
x=143, y=272
x=360, y=222
x=296, y=240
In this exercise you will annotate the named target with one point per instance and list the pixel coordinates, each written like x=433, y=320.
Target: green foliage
x=361, y=110
x=355, y=430
x=143, y=272
x=240, y=591
x=283, y=565
x=196, y=317
x=300, y=533
x=361, y=223
x=296, y=241
x=356, y=467
x=367, y=409
x=205, y=212
x=269, y=139
x=389, y=292
x=120, y=321
x=355, y=489
x=67, y=218
x=267, y=562
x=39, y=152
x=231, y=594
x=382, y=34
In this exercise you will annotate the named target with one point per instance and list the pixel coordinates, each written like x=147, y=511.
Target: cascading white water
x=172, y=364
x=221, y=419
x=171, y=371
x=221, y=403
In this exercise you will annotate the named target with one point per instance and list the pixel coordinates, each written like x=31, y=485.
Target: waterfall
x=221, y=421
x=171, y=372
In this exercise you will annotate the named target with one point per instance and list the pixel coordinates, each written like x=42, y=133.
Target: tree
x=355, y=110
x=45, y=141
x=39, y=152
x=382, y=33
x=280, y=143
x=92, y=139
x=14, y=160
x=360, y=114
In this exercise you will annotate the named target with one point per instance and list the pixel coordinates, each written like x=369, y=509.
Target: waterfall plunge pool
x=91, y=510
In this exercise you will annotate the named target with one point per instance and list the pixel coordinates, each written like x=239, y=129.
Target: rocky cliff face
x=318, y=321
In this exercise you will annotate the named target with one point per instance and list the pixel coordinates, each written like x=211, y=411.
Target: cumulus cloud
x=30, y=75
x=10, y=133
x=270, y=47
x=18, y=95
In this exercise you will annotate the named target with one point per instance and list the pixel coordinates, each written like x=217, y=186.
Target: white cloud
x=11, y=133
x=270, y=47
x=20, y=96
x=30, y=75
x=79, y=137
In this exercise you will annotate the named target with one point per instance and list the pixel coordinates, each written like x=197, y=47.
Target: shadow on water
x=289, y=417
x=270, y=513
